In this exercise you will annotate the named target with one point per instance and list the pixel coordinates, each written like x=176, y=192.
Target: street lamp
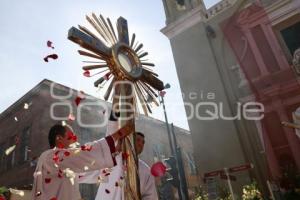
x=162, y=101
x=176, y=155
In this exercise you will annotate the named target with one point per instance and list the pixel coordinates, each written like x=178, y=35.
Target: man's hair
x=140, y=134
x=55, y=130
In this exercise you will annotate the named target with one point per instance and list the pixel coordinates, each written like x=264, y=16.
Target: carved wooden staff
x=123, y=66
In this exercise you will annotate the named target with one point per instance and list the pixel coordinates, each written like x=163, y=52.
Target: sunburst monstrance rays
x=117, y=58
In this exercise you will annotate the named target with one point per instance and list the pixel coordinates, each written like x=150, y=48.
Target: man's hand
x=123, y=132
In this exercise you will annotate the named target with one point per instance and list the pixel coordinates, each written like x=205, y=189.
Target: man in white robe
x=56, y=175
x=111, y=180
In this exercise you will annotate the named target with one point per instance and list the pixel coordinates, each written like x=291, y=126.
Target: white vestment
x=112, y=180
x=108, y=190
x=56, y=176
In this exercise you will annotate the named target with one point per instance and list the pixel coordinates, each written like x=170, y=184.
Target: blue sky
x=25, y=27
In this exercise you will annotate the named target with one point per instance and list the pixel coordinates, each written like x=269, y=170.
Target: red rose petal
x=55, y=158
x=117, y=184
x=86, y=148
x=107, y=174
x=107, y=191
x=38, y=193
x=77, y=100
x=53, y=56
x=70, y=135
x=87, y=73
x=106, y=76
x=54, y=198
x=89, y=148
x=83, y=148
x=49, y=44
x=47, y=180
x=125, y=155
x=60, y=146
x=67, y=153
x=74, y=138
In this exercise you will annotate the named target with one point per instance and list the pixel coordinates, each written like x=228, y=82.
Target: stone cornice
x=186, y=21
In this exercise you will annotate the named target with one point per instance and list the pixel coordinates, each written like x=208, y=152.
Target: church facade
x=242, y=52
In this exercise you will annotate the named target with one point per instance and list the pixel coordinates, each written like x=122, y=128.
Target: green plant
x=251, y=192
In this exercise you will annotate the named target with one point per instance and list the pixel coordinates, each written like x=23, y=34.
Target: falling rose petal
x=49, y=44
x=78, y=100
x=158, y=169
x=54, y=198
x=107, y=191
x=162, y=93
x=53, y=56
x=72, y=181
x=87, y=73
x=17, y=192
x=16, y=119
x=71, y=117
x=38, y=193
x=74, y=138
x=55, y=158
x=70, y=135
x=86, y=148
x=26, y=106
x=10, y=149
x=47, y=180
x=36, y=174
x=116, y=184
x=125, y=155
x=106, y=76
x=60, y=146
x=107, y=174
x=67, y=153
